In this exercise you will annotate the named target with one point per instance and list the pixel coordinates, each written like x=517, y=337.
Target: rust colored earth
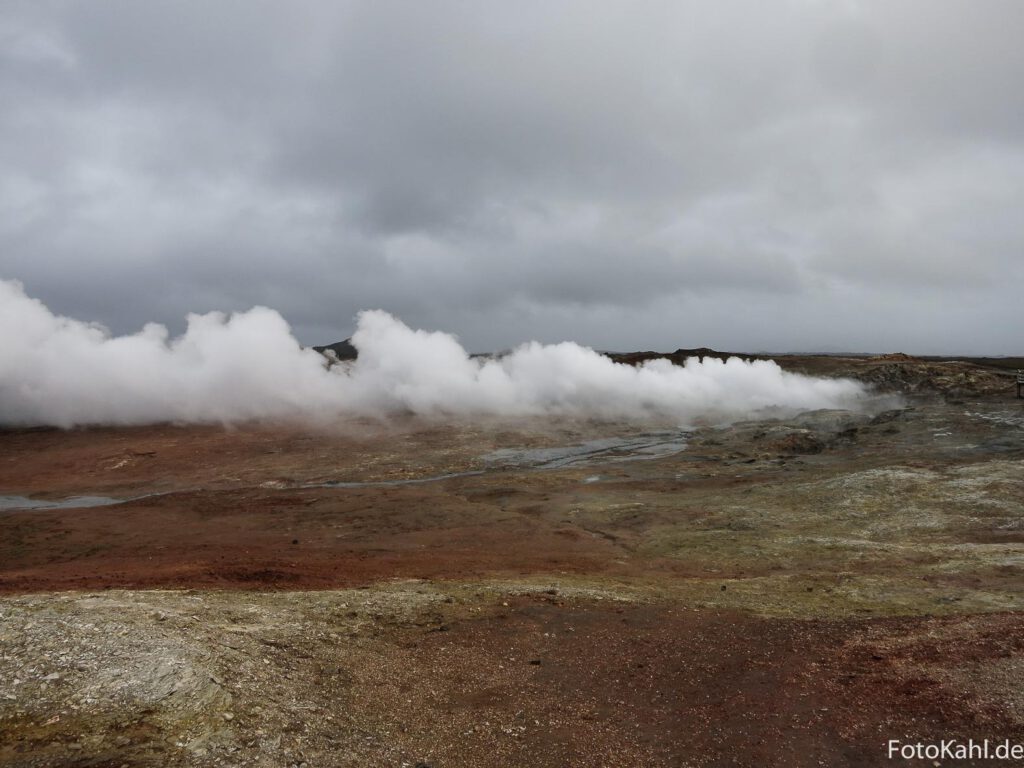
x=779, y=593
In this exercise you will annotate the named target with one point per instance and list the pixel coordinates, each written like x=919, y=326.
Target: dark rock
x=339, y=350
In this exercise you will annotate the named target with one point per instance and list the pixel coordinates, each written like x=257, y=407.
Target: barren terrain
x=779, y=592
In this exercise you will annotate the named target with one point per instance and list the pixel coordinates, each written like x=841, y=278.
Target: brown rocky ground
x=780, y=592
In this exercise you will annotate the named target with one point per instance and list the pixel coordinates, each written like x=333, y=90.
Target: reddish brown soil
x=543, y=680
x=213, y=524
x=666, y=686
x=296, y=540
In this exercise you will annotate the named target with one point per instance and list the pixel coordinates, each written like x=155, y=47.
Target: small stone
x=228, y=716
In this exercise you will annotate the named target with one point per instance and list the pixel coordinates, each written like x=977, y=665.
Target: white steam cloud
x=229, y=368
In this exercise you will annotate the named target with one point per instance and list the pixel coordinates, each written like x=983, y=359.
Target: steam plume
x=228, y=368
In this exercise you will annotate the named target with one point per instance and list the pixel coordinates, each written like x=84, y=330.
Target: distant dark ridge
x=678, y=357
x=1006, y=363
x=342, y=350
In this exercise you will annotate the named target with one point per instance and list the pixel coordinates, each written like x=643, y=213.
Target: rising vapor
x=231, y=368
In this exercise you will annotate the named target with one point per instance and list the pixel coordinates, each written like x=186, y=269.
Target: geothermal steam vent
x=227, y=368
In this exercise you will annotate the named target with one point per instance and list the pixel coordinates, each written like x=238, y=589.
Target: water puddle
x=72, y=502
x=1004, y=418
x=652, y=445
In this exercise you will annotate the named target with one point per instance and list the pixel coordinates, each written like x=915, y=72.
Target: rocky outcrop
x=952, y=379
x=339, y=350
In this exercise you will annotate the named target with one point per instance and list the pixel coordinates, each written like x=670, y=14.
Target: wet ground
x=777, y=592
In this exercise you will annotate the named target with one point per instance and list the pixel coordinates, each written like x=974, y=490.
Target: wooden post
x=1020, y=382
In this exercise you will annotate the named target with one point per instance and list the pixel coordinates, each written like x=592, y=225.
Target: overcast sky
x=804, y=175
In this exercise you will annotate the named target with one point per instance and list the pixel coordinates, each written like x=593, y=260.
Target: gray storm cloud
x=248, y=366
x=786, y=176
